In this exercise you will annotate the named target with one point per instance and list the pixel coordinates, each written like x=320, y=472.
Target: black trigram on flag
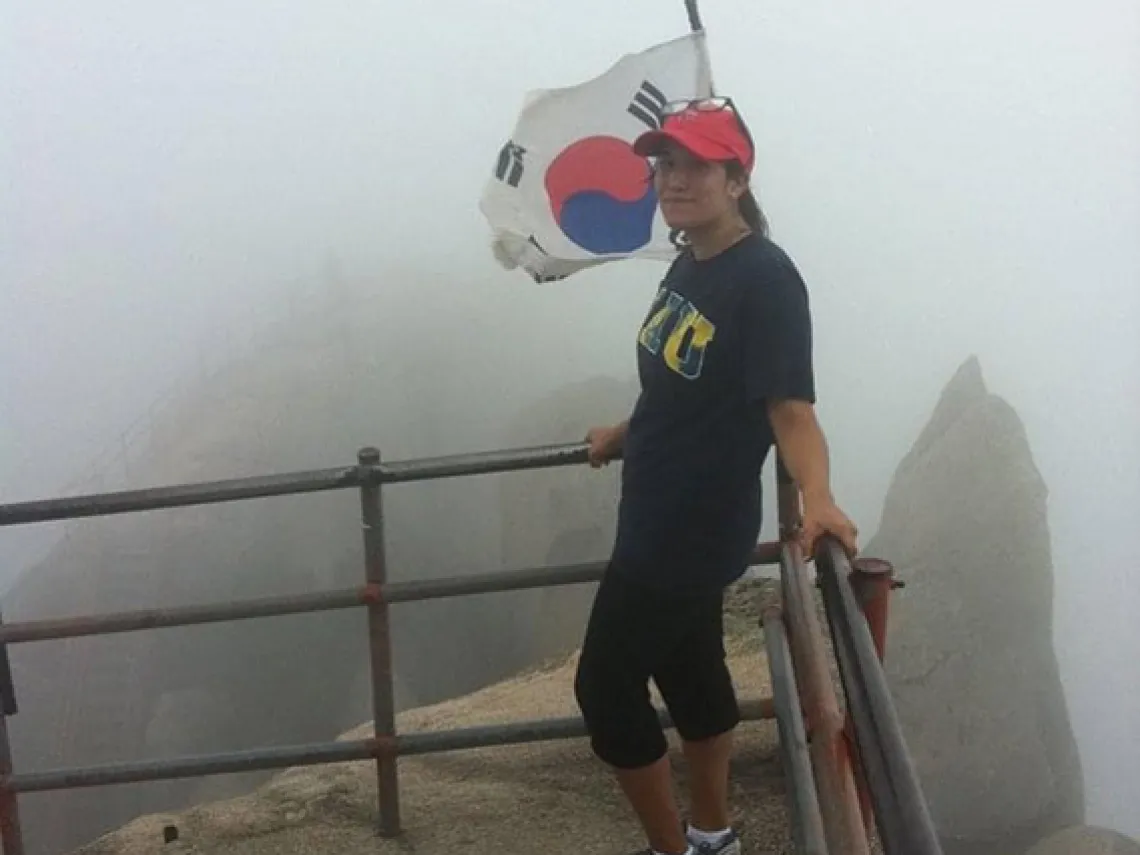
x=509, y=167
x=648, y=104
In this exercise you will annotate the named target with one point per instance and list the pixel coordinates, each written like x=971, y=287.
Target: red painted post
x=872, y=580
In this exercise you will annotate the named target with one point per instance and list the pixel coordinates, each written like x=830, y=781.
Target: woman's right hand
x=605, y=444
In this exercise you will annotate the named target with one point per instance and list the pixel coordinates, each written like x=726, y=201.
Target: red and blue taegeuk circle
x=601, y=195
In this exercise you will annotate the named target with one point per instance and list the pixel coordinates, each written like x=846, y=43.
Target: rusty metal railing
x=824, y=754
x=900, y=810
x=376, y=595
x=803, y=800
x=863, y=778
x=831, y=759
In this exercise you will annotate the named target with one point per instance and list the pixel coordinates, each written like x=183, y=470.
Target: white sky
x=952, y=179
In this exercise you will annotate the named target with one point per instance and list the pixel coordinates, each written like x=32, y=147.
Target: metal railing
x=837, y=808
x=891, y=782
x=830, y=807
x=376, y=595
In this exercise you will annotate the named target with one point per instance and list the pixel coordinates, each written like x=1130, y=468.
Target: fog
x=951, y=180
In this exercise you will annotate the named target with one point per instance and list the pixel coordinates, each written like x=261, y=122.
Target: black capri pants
x=637, y=633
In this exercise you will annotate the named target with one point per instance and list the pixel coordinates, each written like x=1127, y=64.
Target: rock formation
x=970, y=654
x=198, y=689
x=548, y=797
x=1086, y=840
x=326, y=385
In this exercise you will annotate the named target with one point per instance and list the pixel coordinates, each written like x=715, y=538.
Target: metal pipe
x=842, y=820
x=482, y=463
x=392, y=592
x=230, y=762
x=11, y=837
x=414, y=590
x=694, y=16
x=900, y=806
x=843, y=823
x=132, y=621
x=512, y=580
x=518, y=733
x=803, y=800
x=402, y=745
x=8, y=705
x=317, y=480
x=873, y=777
x=156, y=498
x=379, y=646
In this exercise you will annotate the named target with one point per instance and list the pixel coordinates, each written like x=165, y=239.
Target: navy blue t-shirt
x=723, y=335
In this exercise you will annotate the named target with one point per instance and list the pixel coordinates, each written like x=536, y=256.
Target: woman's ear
x=737, y=187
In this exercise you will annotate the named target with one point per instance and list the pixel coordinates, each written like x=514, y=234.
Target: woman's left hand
x=822, y=518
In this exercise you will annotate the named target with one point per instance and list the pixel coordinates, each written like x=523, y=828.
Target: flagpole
x=694, y=15
x=696, y=26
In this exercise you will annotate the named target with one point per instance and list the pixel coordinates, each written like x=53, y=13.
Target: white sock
x=689, y=851
x=712, y=838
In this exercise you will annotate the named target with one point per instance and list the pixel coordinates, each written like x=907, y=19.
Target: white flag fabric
x=567, y=192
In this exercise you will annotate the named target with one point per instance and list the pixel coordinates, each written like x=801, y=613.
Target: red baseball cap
x=709, y=134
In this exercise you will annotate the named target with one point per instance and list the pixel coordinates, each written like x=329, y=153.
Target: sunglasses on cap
x=711, y=104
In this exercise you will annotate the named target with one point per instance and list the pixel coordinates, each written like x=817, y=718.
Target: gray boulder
x=970, y=656
x=1087, y=840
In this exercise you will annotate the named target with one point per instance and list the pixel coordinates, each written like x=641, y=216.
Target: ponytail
x=752, y=215
x=750, y=210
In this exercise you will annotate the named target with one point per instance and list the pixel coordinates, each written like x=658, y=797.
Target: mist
x=951, y=180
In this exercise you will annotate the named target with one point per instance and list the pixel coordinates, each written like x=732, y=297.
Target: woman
x=725, y=363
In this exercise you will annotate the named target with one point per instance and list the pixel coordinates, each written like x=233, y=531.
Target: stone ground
x=1087, y=840
x=545, y=797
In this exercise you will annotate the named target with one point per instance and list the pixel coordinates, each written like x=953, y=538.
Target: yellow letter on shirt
x=654, y=329
x=700, y=331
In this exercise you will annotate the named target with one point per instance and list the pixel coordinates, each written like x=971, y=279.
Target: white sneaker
x=729, y=845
